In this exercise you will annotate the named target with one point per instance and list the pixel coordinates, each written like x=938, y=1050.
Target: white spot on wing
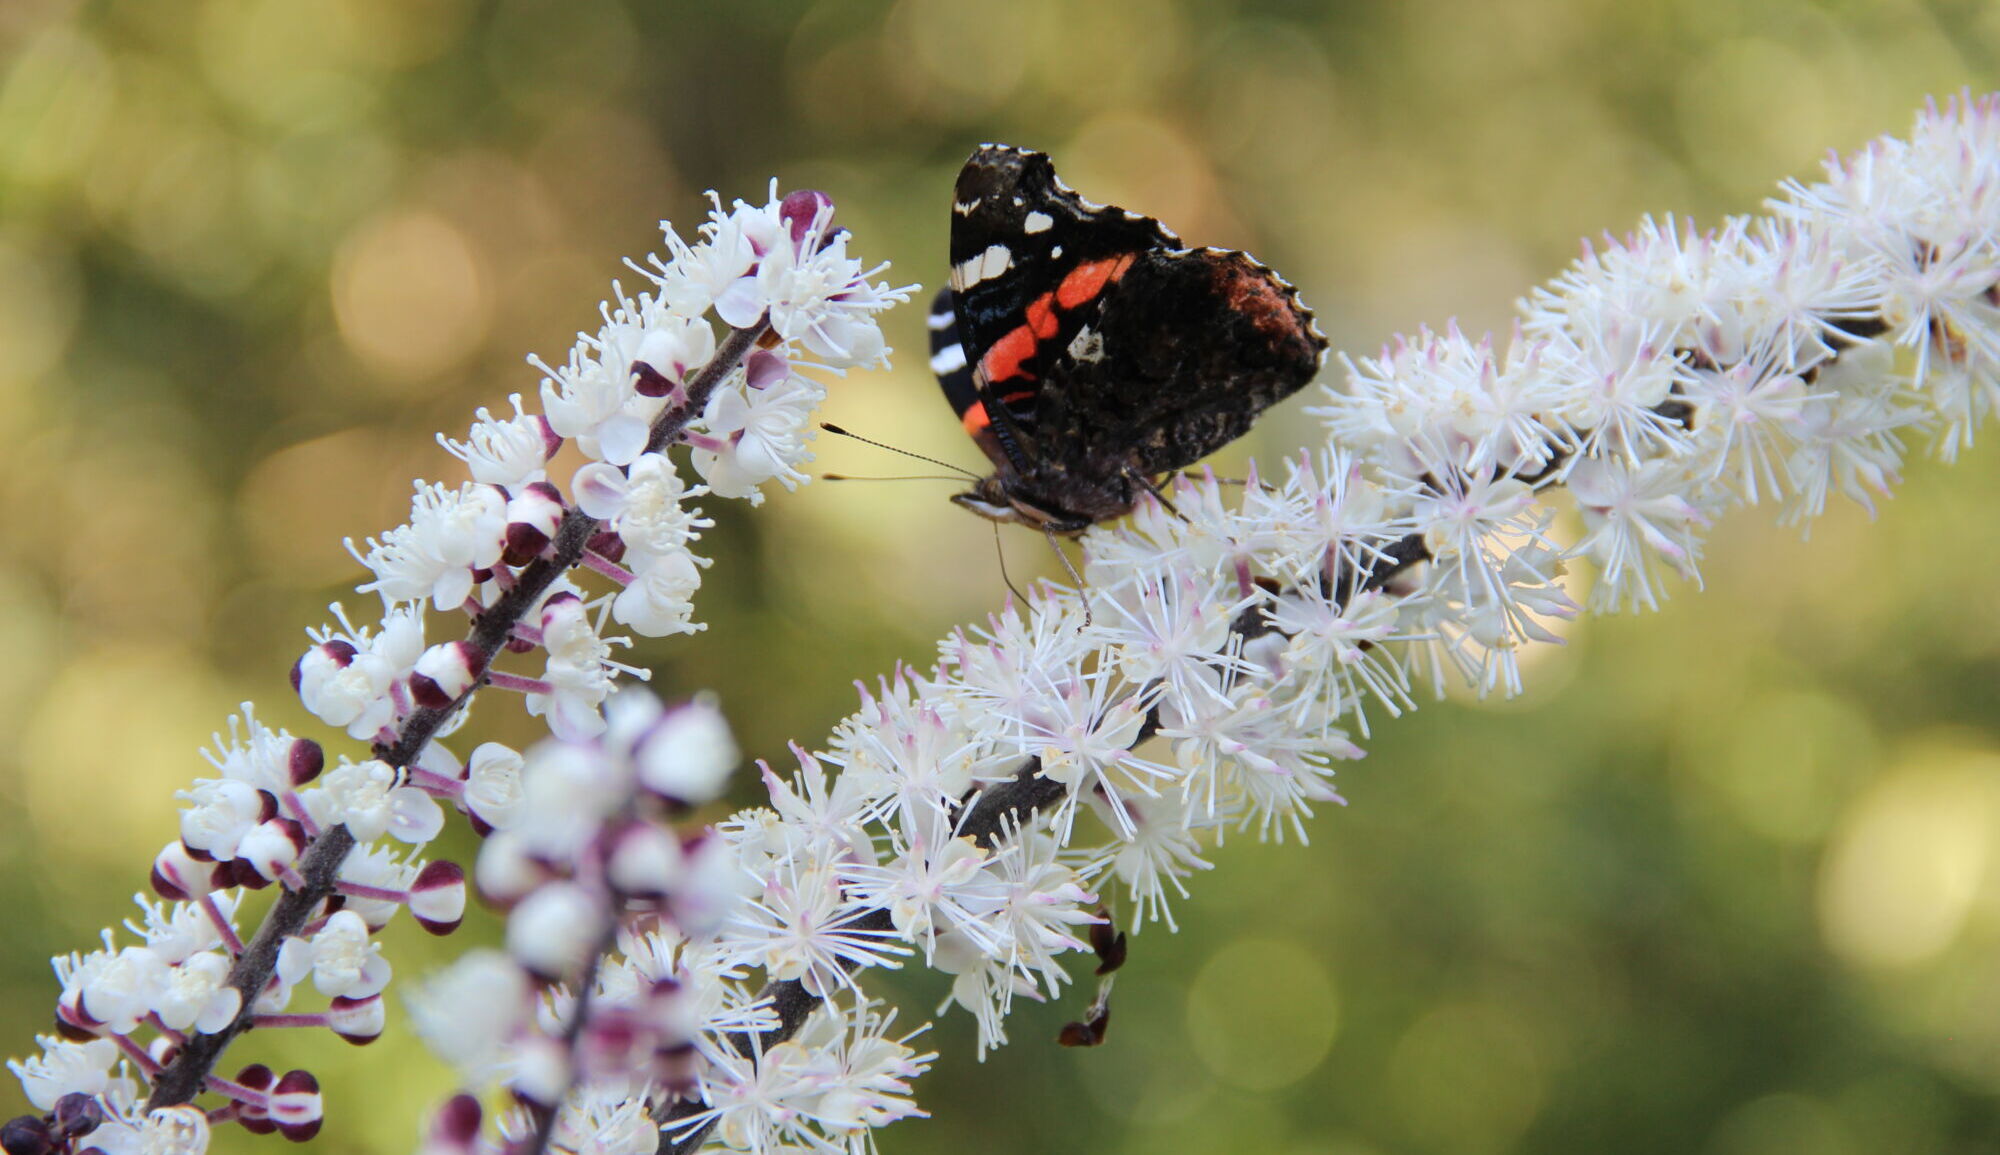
x=964, y=208
x=1037, y=223
x=940, y=320
x=1087, y=345
x=987, y=265
x=949, y=359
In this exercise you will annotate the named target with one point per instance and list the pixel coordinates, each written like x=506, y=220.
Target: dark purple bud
x=608, y=546
x=296, y=1106
x=522, y=544
x=455, y=1127
x=77, y=1114
x=650, y=382
x=254, y=1115
x=26, y=1135
x=802, y=209
x=306, y=761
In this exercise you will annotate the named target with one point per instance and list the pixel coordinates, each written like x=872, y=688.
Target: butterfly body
x=1086, y=352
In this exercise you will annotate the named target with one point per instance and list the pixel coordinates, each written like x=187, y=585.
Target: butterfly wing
x=1177, y=363
x=1031, y=261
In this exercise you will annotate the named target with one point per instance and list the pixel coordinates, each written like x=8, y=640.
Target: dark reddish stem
x=184, y=1077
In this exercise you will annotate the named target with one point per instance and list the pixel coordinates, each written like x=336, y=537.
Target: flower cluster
x=1231, y=647
x=1081, y=752
x=574, y=846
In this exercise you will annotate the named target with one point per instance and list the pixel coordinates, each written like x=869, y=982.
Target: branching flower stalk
x=498, y=551
x=664, y=988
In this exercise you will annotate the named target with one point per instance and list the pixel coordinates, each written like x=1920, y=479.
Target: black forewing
x=1010, y=200
x=1180, y=360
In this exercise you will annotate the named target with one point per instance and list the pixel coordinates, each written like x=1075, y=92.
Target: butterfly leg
x=1082, y=590
x=1154, y=488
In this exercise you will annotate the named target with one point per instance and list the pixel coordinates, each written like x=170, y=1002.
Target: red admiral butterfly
x=1086, y=351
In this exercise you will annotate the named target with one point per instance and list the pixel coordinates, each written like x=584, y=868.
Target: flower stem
x=319, y=866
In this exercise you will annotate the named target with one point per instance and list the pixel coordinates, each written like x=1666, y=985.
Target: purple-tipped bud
x=77, y=1114
x=802, y=209
x=445, y=672
x=437, y=900
x=454, y=1129
x=26, y=1135
x=254, y=1113
x=532, y=518
x=296, y=1106
x=305, y=761
x=183, y=875
x=650, y=382
x=271, y=848
x=359, y=1021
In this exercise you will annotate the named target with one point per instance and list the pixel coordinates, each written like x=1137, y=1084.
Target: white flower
x=493, y=785
x=644, y=505
x=687, y=753
x=198, y=995
x=450, y=534
x=757, y=436
x=220, y=812
x=343, y=958
x=66, y=1068
x=579, y=671
x=369, y=800
x=471, y=1011
x=508, y=453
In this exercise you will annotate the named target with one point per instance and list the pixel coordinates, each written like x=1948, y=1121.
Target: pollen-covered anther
x=445, y=673
x=532, y=517
x=437, y=898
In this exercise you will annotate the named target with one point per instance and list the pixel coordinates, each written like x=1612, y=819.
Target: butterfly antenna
x=1082, y=590
x=899, y=477
x=830, y=427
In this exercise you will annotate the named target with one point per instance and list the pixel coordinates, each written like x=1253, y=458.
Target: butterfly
x=1086, y=351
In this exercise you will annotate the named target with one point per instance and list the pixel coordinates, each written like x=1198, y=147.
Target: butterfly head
x=994, y=499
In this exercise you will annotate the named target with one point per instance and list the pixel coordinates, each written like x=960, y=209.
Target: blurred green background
x=1726, y=881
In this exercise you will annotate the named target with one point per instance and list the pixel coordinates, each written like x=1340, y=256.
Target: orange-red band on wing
x=1010, y=355
x=975, y=419
x=1088, y=279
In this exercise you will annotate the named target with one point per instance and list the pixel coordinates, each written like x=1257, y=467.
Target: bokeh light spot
x=1262, y=1013
x=1906, y=863
x=410, y=296
x=1466, y=1078
x=1781, y=1124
